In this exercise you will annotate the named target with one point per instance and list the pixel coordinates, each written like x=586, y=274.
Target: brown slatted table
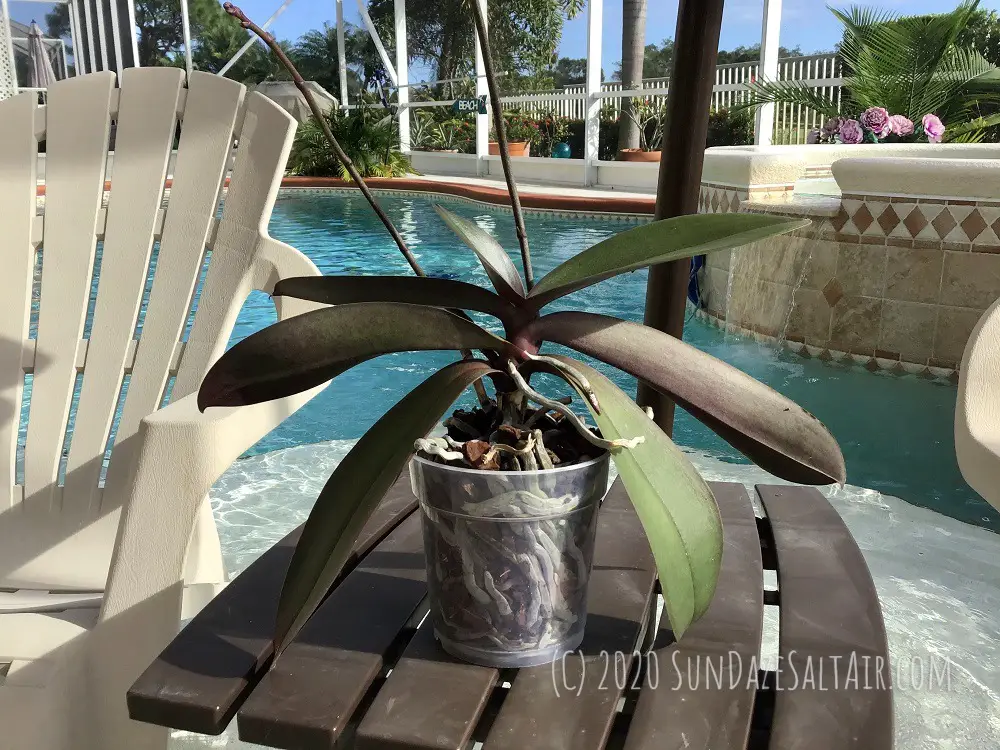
x=366, y=672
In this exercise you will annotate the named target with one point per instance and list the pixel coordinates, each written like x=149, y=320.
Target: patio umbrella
x=40, y=73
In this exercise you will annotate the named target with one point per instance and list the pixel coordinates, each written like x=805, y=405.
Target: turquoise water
x=895, y=431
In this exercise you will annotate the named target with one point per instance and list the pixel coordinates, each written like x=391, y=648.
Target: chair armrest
x=181, y=454
x=977, y=411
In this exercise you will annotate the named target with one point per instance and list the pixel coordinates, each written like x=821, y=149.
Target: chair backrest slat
x=265, y=142
x=18, y=168
x=210, y=117
x=145, y=134
x=78, y=124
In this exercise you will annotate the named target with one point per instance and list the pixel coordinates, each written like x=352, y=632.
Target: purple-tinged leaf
x=355, y=490
x=304, y=351
x=411, y=290
x=657, y=242
x=677, y=509
x=497, y=264
x=774, y=432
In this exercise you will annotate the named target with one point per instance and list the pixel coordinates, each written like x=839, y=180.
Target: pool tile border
x=567, y=206
x=873, y=361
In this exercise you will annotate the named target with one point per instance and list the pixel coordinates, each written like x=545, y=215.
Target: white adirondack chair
x=92, y=578
x=977, y=412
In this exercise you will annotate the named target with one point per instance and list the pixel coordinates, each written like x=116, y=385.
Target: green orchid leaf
x=774, y=432
x=657, y=242
x=497, y=264
x=677, y=509
x=301, y=352
x=411, y=290
x=355, y=490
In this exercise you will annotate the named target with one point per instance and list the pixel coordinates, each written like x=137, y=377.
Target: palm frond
x=787, y=92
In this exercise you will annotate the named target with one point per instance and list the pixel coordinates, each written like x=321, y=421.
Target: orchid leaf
x=774, y=432
x=355, y=490
x=412, y=290
x=303, y=351
x=677, y=509
x=497, y=264
x=657, y=242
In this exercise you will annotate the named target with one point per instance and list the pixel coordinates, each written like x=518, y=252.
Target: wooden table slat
x=829, y=612
x=207, y=671
x=431, y=700
x=542, y=710
x=684, y=705
x=313, y=689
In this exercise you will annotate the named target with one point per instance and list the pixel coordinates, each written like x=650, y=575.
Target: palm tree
x=909, y=65
x=633, y=53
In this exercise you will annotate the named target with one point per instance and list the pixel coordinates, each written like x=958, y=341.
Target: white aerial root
x=573, y=419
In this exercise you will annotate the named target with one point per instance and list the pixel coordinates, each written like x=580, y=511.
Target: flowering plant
x=876, y=125
x=520, y=127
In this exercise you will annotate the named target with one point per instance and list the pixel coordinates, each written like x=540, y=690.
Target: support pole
x=342, y=55
x=186, y=32
x=79, y=56
x=133, y=33
x=377, y=40
x=769, y=46
x=253, y=39
x=685, y=132
x=592, y=125
x=482, y=119
x=91, y=44
x=116, y=32
x=8, y=70
x=402, y=76
x=103, y=35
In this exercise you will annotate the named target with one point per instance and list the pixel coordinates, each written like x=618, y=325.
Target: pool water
x=896, y=432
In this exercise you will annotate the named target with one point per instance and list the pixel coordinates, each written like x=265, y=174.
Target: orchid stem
x=499, y=126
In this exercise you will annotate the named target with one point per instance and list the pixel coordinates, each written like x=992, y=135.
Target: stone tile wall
x=894, y=283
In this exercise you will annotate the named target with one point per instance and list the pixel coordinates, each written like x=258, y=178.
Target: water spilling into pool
x=895, y=431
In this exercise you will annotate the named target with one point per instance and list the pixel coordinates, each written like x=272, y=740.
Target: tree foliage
x=910, y=65
x=660, y=57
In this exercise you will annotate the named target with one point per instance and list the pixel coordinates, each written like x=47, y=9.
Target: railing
x=791, y=122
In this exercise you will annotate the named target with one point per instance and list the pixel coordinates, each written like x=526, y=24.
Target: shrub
x=369, y=137
x=730, y=128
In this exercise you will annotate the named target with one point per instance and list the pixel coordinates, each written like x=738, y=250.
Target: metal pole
x=768, y=68
x=79, y=68
x=253, y=39
x=91, y=46
x=101, y=32
x=378, y=42
x=685, y=132
x=342, y=54
x=592, y=127
x=116, y=31
x=134, y=35
x=65, y=62
x=482, y=120
x=402, y=76
x=186, y=31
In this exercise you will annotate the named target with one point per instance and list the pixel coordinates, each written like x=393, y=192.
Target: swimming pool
x=895, y=431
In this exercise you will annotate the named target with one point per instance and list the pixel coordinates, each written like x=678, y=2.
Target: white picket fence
x=791, y=122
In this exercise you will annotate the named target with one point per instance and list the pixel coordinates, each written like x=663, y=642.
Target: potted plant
x=521, y=132
x=509, y=489
x=649, y=119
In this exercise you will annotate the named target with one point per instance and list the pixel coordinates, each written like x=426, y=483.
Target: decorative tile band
x=953, y=225
x=870, y=362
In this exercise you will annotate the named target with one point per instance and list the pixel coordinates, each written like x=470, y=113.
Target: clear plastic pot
x=508, y=558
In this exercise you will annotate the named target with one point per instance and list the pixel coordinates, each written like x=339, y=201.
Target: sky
x=804, y=23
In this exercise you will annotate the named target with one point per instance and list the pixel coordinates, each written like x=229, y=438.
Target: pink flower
x=901, y=125
x=933, y=128
x=851, y=132
x=876, y=119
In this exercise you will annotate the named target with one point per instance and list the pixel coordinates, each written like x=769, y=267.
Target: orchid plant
x=367, y=316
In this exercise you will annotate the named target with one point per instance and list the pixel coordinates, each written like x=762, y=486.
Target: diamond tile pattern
x=888, y=220
x=973, y=225
x=833, y=292
x=944, y=222
x=915, y=221
x=863, y=218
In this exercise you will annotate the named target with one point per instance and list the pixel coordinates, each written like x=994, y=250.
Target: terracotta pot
x=514, y=148
x=635, y=154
